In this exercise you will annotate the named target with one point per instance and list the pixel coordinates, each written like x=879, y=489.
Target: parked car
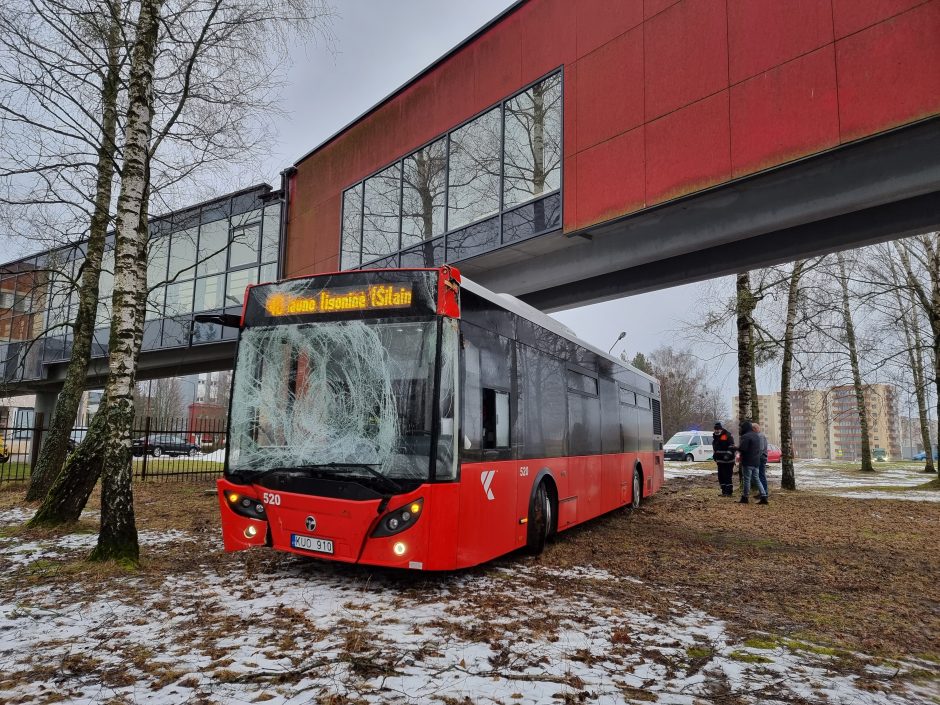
x=164, y=444
x=689, y=446
x=75, y=437
x=923, y=455
x=774, y=454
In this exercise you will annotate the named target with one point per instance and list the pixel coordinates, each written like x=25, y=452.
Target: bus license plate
x=309, y=543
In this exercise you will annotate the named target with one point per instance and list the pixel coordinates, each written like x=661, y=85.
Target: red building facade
x=659, y=99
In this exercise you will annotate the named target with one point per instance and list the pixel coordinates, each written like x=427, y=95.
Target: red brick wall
x=662, y=98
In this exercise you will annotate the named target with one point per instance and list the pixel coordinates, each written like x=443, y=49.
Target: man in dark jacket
x=723, y=455
x=750, y=450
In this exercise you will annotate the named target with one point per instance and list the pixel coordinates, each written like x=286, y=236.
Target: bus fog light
x=399, y=549
x=251, y=532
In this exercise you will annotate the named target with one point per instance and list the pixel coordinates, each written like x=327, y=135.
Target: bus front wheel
x=540, y=520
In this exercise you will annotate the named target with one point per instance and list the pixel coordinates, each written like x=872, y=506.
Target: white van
x=689, y=446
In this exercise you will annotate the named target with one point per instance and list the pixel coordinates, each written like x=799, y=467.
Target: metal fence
x=162, y=449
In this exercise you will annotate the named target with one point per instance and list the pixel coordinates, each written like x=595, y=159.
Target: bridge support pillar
x=45, y=404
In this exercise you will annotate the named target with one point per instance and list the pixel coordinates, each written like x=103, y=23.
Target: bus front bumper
x=325, y=527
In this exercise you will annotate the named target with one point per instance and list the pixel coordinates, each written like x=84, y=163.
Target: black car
x=75, y=437
x=164, y=444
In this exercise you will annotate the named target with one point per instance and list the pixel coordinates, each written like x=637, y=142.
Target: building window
x=423, y=194
x=473, y=187
x=352, y=228
x=213, y=238
x=381, y=214
x=245, y=242
x=505, y=162
x=184, y=255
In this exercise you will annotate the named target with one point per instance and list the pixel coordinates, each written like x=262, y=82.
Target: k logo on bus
x=486, y=477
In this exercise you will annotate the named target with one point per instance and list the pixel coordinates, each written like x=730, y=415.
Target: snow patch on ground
x=299, y=630
x=908, y=495
x=821, y=475
x=18, y=552
x=16, y=515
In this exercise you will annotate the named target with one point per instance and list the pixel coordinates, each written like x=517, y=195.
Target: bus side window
x=469, y=443
x=495, y=419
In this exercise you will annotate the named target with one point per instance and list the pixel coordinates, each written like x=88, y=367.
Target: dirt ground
x=859, y=575
x=847, y=588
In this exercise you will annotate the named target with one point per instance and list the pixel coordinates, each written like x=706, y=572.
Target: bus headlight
x=398, y=520
x=245, y=506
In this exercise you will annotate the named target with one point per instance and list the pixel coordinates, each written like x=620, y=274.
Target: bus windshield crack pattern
x=309, y=406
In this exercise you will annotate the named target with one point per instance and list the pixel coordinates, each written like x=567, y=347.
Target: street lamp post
x=623, y=334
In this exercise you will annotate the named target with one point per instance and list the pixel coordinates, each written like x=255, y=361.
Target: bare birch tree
x=745, y=304
x=907, y=317
x=106, y=448
x=852, y=349
x=216, y=74
x=788, y=477
x=60, y=81
x=222, y=29
x=920, y=257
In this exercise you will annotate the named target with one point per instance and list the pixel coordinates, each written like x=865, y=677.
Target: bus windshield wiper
x=250, y=476
x=389, y=482
x=255, y=475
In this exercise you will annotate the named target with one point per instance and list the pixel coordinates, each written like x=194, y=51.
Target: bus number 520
x=271, y=498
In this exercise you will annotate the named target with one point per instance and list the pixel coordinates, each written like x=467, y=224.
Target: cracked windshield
x=344, y=393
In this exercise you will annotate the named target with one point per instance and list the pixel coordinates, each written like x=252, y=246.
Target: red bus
x=406, y=418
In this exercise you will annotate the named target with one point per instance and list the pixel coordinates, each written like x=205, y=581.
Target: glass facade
x=492, y=181
x=199, y=260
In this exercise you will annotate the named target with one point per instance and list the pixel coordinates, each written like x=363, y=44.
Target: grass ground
x=843, y=586
x=14, y=470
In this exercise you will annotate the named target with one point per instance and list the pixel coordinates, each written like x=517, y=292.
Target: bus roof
x=520, y=308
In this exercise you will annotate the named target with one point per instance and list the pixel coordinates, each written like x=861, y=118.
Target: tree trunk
x=744, y=308
x=788, y=478
x=69, y=494
x=117, y=539
x=54, y=447
x=856, y=371
x=755, y=398
x=915, y=359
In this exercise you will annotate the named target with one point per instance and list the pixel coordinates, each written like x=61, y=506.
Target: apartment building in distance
x=825, y=422
x=845, y=435
x=769, y=407
x=809, y=416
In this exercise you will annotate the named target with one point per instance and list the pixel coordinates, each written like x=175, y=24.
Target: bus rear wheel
x=637, y=490
x=540, y=520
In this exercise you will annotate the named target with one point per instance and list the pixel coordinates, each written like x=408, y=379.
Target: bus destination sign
x=373, y=297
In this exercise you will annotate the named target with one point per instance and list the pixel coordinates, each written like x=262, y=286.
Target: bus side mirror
x=228, y=320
